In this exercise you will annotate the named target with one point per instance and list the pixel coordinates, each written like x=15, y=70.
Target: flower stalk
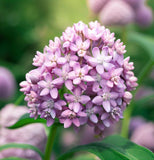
x=50, y=141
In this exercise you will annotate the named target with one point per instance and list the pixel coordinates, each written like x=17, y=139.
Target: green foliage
x=113, y=148
x=84, y=156
x=13, y=158
x=23, y=146
x=144, y=41
x=25, y=120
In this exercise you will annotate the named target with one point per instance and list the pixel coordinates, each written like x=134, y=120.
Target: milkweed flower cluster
x=81, y=78
x=121, y=12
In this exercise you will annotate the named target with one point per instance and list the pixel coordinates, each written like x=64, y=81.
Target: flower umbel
x=81, y=78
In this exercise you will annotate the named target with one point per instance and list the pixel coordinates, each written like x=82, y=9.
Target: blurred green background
x=27, y=26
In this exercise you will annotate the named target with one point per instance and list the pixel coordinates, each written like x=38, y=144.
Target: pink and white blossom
x=81, y=78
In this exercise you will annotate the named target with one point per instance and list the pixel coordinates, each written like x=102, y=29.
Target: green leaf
x=25, y=120
x=13, y=158
x=113, y=148
x=23, y=146
x=144, y=41
x=142, y=102
x=85, y=156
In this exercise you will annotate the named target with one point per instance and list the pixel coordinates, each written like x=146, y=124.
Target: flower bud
x=96, y=5
x=143, y=16
x=7, y=84
x=116, y=13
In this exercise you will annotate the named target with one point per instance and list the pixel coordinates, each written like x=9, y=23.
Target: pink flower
x=68, y=117
x=120, y=12
x=48, y=87
x=80, y=74
x=76, y=99
x=106, y=98
x=53, y=59
x=81, y=77
x=38, y=60
x=100, y=60
x=80, y=47
x=63, y=76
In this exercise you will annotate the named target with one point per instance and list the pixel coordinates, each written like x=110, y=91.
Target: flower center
x=106, y=96
x=98, y=78
x=100, y=59
x=54, y=59
x=49, y=85
x=77, y=98
x=115, y=79
x=80, y=74
x=50, y=103
x=115, y=112
x=72, y=115
x=89, y=111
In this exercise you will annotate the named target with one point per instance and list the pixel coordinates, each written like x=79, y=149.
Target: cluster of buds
x=121, y=12
x=81, y=78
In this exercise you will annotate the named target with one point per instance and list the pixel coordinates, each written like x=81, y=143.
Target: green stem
x=19, y=100
x=124, y=35
x=50, y=141
x=127, y=114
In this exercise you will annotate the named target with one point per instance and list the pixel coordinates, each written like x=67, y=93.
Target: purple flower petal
x=104, y=116
x=58, y=106
x=69, y=84
x=61, y=60
x=42, y=84
x=82, y=114
x=53, y=114
x=67, y=123
x=78, y=41
x=88, y=79
x=77, y=91
x=76, y=122
x=109, y=84
x=117, y=72
x=108, y=66
x=96, y=52
x=97, y=100
x=86, y=44
x=77, y=81
x=54, y=93
x=95, y=87
x=71, y=75
x=73, y=47
x=65, y=113
x=76, y=107
x=93, y=118
x=114, y=95
x=49, y=121
x=100, y=69
x=44, y=92
x=84, y=99
x=106, y=123
x=69, y=97
x=106, y=106
x=58, y=81
x=57, y=71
